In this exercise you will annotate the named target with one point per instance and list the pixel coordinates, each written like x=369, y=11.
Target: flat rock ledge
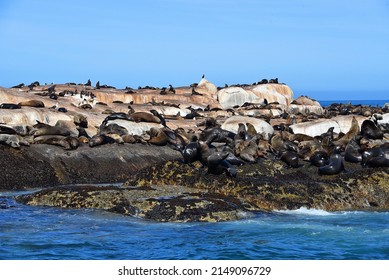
x=175, y=192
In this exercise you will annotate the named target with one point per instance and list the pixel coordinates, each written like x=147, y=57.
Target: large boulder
x=206, y=87
x=29, y=116
x=236, y=96
x=261, y=126
x=273, y=93
x=305, y=105
x=317, y=127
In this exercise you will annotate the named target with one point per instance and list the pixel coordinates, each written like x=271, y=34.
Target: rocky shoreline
x=197, y=153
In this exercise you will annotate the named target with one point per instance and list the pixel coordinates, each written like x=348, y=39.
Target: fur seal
x=144, y=117
x=370, y=130
x=159, y=116
x=217, y=164
x=319, y=159
x=9, y=106
x=241, y=133
x=52, y=130
x=171, y=89
x=376, y=157
x=100, y=139
x=290, y=158
x=115, y=116
x=334, y=166
x=251, y=131
x=113, y=128
x=7, y=130
x=81, y=120
x=67, y=142
x=191, y=152
x=354, y=130
x=218, y=134
x=13, y=140
x=249, y=152
x=82, y=132
x=157, y=137
x=129, y=139
x=32, y=103
x=352, y=151
x=175, y=140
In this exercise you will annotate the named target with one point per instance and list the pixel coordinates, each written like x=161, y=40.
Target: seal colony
x=214, y=131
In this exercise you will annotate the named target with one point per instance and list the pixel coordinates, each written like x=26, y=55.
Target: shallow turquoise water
x=50, y=233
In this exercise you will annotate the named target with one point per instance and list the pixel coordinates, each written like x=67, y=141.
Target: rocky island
x=195, y=153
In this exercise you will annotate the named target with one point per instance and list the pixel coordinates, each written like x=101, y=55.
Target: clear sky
x=316, y=47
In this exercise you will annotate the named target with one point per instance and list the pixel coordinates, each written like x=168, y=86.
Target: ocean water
x=51, y=233
x=378, y=103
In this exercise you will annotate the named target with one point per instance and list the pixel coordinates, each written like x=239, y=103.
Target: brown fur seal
x=118, y=138
x=352, y=151
x=113, y=128
x=157, y=137
x=52, y=130
x=32, y=103
x=251, y=131
x=144, y=117
x=241, y=133
x=129, y=139
x=100, y=139
x=67, y=142
x=353, y=131
x=81, y=120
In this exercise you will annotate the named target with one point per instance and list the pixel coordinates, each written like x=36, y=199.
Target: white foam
x=306, y=211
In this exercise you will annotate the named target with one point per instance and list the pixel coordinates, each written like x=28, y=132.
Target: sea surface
x=379, y=103
x=48, y=233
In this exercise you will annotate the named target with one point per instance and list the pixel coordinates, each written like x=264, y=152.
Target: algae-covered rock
x=163, y=204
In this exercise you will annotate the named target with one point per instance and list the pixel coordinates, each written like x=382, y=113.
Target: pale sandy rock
x=262, y=127
x=305, y=100
x=273, y=93
x=261, y=112
x=29, y=116
x=385, y=119
x=305, y=109
x=317, y=127
x=205, y=86
x=236, y=96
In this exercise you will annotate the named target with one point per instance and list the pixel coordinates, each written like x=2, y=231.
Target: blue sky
x=318, y=48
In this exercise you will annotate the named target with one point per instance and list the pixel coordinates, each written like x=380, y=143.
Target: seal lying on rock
x=217, y=164
x=335, y=164
x=66, y=142
x=377, y=156
x=32, y=103
x=52, y=130
x=13, y=141
x=101, y=139
x=9, y=106
x=370, y=130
